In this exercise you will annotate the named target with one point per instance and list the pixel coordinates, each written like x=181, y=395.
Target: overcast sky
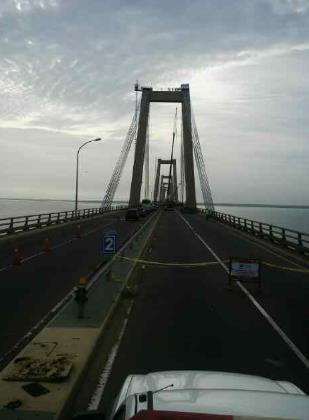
x=67, y=70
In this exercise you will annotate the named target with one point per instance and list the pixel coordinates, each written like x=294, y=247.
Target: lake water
x=297, y=219
x=11, y=208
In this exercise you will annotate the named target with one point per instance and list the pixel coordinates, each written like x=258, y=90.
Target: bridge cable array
x=200, y=164
x=182, y=166
x=115, y=178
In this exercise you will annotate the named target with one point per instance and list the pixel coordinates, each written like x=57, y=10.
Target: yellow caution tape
x=280, y=267
x=204, y=264
x=171, y=264
x=116, y=279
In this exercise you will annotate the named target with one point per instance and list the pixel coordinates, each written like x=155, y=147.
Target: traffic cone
x=16, y=260
x=78, y=232
x=46, y=245
x=82, y=281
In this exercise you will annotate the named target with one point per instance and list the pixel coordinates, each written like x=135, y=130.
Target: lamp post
x=77, y=163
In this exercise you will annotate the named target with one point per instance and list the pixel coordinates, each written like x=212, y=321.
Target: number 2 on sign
x=110, y=244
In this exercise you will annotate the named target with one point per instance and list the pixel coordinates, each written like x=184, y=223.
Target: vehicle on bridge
x=205, y=395
x=147, y=205
x=132, y=214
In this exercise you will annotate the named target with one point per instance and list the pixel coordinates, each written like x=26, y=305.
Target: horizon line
x=220, y=204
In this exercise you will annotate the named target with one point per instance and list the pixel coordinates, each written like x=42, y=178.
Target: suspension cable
x=115, y=178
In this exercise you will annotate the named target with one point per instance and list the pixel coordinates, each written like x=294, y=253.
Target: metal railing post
x=11, y=227
x=300, y=247
x=252, y=227
x=283, y=237
x=26, y=227
x=271, y=236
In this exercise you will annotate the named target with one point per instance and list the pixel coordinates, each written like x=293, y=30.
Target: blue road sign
x=110, y=243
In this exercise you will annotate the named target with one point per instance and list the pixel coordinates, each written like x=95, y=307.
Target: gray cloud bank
x=67, y=69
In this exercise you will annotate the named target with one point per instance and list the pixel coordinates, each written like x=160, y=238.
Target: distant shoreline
x=282, y=206
x=276, y=206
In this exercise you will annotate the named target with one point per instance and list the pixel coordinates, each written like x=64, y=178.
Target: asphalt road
x=31, y=242
x=30, y=290
x=189, y=319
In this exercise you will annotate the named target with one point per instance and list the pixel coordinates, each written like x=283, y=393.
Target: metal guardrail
x=299, y=241
x=16, y=224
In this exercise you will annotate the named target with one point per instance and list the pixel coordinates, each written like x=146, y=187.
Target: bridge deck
x=182, y=318
x=189, y=319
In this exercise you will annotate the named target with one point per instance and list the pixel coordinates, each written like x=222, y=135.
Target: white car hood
x=236, y=403
x=205, y=380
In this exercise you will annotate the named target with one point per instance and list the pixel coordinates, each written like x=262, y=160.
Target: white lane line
x=268, y=318
x=31, y=257
x=63, y=244
x=36, y=327
x=98, y=393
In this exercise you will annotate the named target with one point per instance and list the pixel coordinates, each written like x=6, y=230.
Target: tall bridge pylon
x=180, y=95
x=190, y=146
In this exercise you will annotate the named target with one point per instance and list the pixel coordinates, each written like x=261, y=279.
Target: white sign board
x=245, y=269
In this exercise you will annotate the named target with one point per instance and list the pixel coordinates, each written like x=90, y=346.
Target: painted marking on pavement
x=98, y=393
x=31, y=257
x=269, y=319
x=33, y=330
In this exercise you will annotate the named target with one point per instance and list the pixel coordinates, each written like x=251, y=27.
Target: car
x=141, y=211
x=132, y=214
x=209, y=393
x=168, y=208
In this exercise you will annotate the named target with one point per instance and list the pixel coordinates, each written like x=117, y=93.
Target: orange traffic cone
x=82, y=281
x=16, y=260
x=46, y=246
x=78, y=232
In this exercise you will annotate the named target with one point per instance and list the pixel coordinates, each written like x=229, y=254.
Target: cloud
x=67, y=70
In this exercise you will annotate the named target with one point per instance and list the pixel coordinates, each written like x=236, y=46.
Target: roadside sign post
x=245, y=270
x=109, y=248
x=109, y=243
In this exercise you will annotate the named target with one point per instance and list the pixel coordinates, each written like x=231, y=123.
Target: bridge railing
x=289, y=238
x=16, y=224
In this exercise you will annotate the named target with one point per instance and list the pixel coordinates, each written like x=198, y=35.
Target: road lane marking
x=31, y=257
x=263, y=312
x=108, y=366
x=57, y=309
x=34, y=329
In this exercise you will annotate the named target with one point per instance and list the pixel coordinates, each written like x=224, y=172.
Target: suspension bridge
x=190, y=145
x=166, y=298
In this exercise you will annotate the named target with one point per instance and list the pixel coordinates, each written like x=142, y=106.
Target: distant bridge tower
x=173, y=183
x=165, y=192
x=181, y=95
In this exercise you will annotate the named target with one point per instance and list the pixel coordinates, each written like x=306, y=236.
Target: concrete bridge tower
x=178, y=95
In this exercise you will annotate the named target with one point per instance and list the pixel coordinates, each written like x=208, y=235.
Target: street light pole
x=77, y=165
